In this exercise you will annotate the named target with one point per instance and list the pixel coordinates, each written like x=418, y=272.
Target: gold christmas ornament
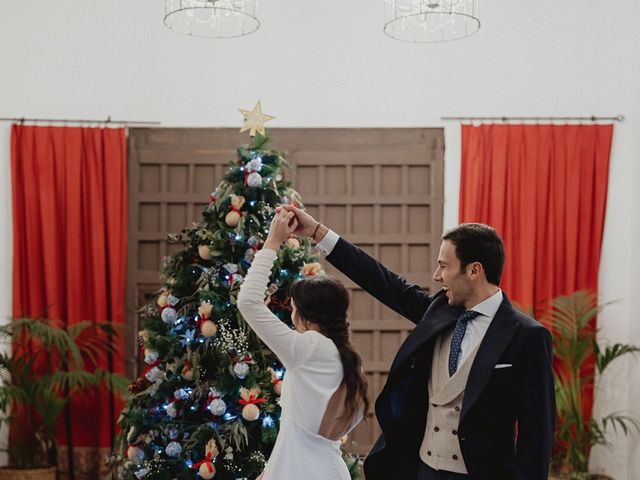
x=208, y=328
x=250, y=399
x=143, y=335
x=207, y=470
x=187, y=373
x=250, y=412
x=135, y=454
x=277, y=383
x=162, y=300
x=205, y=309
x=204, y=251
x=292, y=242
x=254, y=120
x=311, y=269
x=233, y=217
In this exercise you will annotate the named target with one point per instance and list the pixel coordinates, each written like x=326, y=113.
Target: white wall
x=328, y=64
x=6, y=251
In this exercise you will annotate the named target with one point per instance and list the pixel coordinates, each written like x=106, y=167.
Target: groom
x=470, y=393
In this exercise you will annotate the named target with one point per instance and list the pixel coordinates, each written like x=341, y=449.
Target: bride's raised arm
x=291, y=347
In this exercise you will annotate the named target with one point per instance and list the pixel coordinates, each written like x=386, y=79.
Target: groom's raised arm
x=407, y=299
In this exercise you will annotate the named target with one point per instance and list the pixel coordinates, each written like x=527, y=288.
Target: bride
x=325, y=392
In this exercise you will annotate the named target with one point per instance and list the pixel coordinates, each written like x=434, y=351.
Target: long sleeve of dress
x=291, y=347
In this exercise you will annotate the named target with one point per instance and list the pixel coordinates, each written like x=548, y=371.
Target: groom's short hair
x=477, y=242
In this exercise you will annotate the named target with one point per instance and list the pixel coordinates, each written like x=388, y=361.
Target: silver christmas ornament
x=153, y=375
x=172, y=411
x=180, y=394
x=254, y=180
x=169, y=315
x=217, y=407
x=173, y=301
x=241, y=370
x=173, y=449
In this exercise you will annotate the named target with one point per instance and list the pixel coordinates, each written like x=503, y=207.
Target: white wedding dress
x=312, y=399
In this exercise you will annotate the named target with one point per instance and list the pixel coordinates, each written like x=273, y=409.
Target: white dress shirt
x=476, y=328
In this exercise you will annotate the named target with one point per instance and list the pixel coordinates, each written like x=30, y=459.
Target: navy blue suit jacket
x=495, y=400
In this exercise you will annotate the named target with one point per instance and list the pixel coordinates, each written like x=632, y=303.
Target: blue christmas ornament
x=188, y=337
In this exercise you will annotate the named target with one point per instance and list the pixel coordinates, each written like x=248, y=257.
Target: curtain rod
x=592, y=118
x=55, y=120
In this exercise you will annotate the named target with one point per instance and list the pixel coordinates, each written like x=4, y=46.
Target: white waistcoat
x=440, y=447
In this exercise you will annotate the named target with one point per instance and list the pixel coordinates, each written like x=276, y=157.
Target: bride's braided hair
x=324, y=301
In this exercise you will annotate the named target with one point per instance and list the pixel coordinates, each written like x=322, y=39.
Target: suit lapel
x=438, y=317
x=501, y=330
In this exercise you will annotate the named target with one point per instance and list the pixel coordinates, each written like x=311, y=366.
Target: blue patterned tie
x=456, y=340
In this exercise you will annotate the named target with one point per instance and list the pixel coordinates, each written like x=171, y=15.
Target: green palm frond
x=611, y=352
x=22, y=373
x=620, y=421
x=62, y=381
x=10, y=394
x=49, y=407
x=95, y=340
x=572, y=313
x=96, y=347
x=5, y=366
x=571, y=319
x=598, y=435
x=46, y=365
x=117, y=383
x=51, y=337
x=77, y=328
x=529, y=311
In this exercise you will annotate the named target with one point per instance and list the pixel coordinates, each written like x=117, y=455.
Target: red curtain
x=69, y=258
x=544, y=189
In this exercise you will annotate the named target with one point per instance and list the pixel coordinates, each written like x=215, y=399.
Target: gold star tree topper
x=254, y=120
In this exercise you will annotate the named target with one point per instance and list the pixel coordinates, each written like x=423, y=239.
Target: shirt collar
x=490, y=306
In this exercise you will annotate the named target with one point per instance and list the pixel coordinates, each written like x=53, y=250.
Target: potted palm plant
x=574, y=342
x=48, y=363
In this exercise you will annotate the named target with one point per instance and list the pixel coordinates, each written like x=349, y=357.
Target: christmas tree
x=206, y=405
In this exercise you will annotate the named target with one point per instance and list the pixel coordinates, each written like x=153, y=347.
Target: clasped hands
x=289, y=221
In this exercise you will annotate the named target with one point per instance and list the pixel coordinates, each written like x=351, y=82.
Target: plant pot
x=29, y=474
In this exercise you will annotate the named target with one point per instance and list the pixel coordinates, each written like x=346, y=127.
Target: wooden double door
x=380, y=188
